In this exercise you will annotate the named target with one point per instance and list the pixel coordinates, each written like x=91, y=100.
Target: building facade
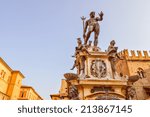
x=28, y=93
x=11, y=83
x=136, y=64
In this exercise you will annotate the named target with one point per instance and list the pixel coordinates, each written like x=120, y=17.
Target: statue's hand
x=101, y=14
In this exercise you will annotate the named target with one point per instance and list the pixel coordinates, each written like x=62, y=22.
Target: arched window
x=2, y=74
x=140, y=72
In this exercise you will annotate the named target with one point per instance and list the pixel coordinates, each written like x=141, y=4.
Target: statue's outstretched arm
x=100, y=18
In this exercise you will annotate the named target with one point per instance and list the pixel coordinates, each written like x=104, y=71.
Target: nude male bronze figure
x=93, y=26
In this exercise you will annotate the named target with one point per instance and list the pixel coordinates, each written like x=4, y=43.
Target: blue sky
x=38, y=37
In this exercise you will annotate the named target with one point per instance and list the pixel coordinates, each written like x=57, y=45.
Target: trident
x=83, y=18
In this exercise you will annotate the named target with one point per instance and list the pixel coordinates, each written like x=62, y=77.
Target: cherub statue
x=77, y=50
x=80, y=60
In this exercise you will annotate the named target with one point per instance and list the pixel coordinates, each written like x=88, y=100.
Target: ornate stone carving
x=133, y=78
x=97, y=89
x=71, y=76
x=141, y=73
x=98, y=68
x=131, y=93
x=107, y=96
x=73, y=92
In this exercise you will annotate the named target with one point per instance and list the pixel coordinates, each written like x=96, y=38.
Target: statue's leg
x=113, y=65
x=73, y=67
x=82, y=64
x=87, y=37
x=75, y=64
x=78, y=70
x=95, y=39
x=96, y=34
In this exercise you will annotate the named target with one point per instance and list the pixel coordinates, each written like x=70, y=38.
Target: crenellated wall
x=133, y=60
x=135, y=55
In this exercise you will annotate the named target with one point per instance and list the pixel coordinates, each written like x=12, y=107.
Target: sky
x=38, y=37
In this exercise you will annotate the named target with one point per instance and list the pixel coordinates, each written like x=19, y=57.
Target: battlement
x=135, y=55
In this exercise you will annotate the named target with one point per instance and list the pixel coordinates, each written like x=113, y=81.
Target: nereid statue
x=112, y=55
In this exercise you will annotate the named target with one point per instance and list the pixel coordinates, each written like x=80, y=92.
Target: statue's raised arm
x=101, y=14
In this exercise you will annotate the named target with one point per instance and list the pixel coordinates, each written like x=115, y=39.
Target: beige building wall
x=64, y=88
x=122, y=67
x=140, y=84
x=10, y=81
x=5, y=76
x=15, y=85
x=133, y=61
x=134, y=65
x=11, y=85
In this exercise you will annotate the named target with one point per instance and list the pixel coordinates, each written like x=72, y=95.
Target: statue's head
x=92, y=14
x=79, y=41
x=112, y=42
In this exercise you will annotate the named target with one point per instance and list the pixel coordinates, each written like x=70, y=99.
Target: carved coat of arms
x=98, y=68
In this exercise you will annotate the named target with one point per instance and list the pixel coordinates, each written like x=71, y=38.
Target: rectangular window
x=4, y=73
x=23, y=94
